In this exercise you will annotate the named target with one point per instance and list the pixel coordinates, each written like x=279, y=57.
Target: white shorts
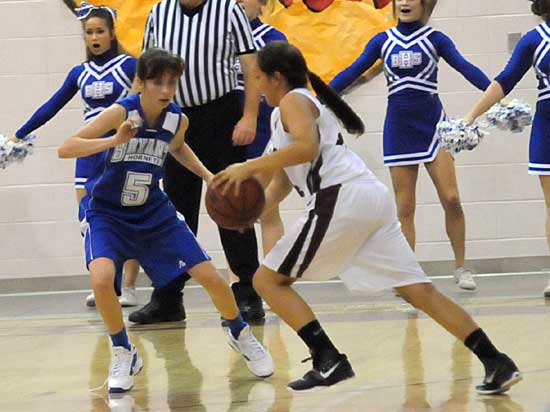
x=350, y=231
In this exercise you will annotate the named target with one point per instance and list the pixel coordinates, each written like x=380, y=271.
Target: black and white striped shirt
x=209, y=38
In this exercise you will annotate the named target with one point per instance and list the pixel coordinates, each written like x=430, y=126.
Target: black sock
x=316, y=339
x=479, y=343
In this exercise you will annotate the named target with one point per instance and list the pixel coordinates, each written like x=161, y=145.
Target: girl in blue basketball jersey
x=105, y=77
x=410, y=53
x=533, y=50
x=130, y=217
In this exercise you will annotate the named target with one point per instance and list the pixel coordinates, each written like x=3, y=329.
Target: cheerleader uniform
x=129, y=216
x=367, y=250
x=533, y=50
x=101, y=82
x=263, y=34
x=410, y=53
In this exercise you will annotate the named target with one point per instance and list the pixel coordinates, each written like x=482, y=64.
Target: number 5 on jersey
x=136, y=189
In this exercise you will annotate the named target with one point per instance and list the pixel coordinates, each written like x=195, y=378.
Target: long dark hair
x=282, y=57
x=541, y=8
x=154, y=63
x=108, y=18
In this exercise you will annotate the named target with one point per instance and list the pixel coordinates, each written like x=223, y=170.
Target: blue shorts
x=165, y=252
x=410, y=130
x=539, y=145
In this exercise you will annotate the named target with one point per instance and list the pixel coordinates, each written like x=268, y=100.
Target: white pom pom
x=514, y=116
x=455, y=135
x=11, y=152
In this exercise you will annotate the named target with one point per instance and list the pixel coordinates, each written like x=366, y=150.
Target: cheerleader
x=532, y=50
x=105, y=77
x=410, y=53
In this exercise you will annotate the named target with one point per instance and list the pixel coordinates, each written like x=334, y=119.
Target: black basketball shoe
x=500, y=374
x=325, y=373
x=164, y=306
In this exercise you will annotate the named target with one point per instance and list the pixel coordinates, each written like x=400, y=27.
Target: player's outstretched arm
x=186, y=156
x=86, y=142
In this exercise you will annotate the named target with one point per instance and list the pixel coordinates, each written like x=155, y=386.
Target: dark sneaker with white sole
x=327, y=373
x=500, y=374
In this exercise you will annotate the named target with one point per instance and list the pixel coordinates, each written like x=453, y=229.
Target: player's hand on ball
x=231, y=178
x=14, y=139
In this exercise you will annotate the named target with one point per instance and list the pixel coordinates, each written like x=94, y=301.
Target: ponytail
x=282, y=57
x=351, y=120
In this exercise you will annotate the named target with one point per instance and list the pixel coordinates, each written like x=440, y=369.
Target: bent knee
x=103, y=281
x=265, y=279
x=418, y=294
x=102, y=273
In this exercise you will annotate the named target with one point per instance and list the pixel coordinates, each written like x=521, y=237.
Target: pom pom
x=514, y=116
x=455, y=135
x=11, y=152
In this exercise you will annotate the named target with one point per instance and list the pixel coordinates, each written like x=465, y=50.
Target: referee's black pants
x=210, y=136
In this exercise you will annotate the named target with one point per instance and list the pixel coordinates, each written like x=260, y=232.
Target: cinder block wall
x=40, y=41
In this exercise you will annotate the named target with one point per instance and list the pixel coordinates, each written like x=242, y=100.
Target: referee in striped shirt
x=209, y=35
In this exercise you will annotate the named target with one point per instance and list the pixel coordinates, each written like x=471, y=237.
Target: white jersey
x=334, y=164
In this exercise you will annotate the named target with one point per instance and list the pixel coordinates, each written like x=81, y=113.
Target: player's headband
x=86, y=8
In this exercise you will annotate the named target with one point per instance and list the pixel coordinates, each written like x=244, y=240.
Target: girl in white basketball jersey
x=349, y=228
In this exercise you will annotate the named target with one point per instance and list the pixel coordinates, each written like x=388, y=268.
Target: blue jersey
x=128, y=186
x=410, y=54
x=101, y=82
x=533, y=50
x=263, y=34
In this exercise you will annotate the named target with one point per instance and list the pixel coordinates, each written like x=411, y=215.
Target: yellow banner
x=330, y=39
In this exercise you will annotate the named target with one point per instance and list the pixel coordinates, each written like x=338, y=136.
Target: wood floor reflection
x=402, y=365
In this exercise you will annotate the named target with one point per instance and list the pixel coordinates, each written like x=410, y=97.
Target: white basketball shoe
x=257, y=358
x=125, y=365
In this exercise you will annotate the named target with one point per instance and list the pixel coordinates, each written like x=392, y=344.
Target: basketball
x=236, y=212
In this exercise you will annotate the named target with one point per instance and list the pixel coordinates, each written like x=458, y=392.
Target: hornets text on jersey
x=128, y=186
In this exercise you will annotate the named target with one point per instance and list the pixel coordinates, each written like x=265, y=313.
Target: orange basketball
x=236, y=212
